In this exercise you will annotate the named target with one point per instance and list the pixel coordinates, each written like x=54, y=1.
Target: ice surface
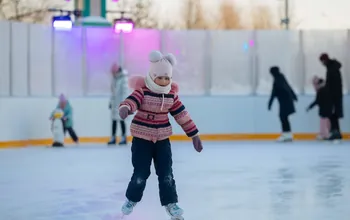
x=227, y=181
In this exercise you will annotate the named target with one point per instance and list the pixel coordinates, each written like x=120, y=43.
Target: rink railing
x=37, y=61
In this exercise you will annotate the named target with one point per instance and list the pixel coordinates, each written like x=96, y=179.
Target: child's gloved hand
x=197, y=143
x=123, y=112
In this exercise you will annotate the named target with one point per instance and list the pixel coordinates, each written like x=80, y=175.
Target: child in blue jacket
x=65, y=106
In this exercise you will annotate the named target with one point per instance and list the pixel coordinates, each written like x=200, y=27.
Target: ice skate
x=285, y=137
x=320, y=138
x=57, y=144
x=174, y=211
x=113, y=141
x=128, y=207
x=335, y=137
x=123, y=141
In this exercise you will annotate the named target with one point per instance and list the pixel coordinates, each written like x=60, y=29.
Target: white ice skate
x=174, y=211
x=128, y=207
x=319, y=137
x=285, y=137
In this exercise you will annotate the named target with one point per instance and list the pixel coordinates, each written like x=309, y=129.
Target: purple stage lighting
x=123, y=25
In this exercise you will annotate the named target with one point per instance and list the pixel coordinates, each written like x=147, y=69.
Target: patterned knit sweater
x=151, y=121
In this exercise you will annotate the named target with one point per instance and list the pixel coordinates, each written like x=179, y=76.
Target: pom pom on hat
x=171, y=58
x=155, y=56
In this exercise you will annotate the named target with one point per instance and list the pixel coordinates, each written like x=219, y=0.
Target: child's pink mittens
x=124, y=112
x=197, y=143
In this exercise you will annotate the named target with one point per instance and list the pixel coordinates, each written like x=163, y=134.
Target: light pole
x=286, y=19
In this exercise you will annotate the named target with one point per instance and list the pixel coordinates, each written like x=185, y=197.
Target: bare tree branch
x=141, y=15
x=230, y=17
x=193, y=16
x=262, y=18
x=139, y=11
x=24, y=10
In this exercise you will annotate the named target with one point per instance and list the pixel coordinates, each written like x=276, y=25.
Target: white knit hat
x=160, y=65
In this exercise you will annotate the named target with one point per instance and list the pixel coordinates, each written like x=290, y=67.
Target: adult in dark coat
x=335, y=85
x=286, y=97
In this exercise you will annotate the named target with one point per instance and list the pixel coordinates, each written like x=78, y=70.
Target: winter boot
x=174, y=211
x=57, y=144
x=335, y=136
x=113, y=141
x=128, y=207
x=123, y=141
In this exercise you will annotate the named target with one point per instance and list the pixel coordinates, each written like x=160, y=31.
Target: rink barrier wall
x=25, y=121
x=181, y=138
x=36, y=60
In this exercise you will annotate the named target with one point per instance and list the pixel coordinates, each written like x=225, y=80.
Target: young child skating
x=323, y=100
x=153, y=98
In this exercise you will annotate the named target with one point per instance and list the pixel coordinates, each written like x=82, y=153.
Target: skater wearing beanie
x=324, y=102
x=286, y=97
x=154, y=97
x=119, y=91
x=335, y=86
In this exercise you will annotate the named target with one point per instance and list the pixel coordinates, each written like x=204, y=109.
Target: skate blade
x=285, y=141
x=177, y=218
x=336, y=141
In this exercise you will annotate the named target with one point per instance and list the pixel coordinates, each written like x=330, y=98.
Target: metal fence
x=38, y=61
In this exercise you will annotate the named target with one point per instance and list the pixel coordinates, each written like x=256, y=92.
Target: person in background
x=335, y=85
x=67, y=109
x=324, y=101
x=119, y=92
x=286, y=97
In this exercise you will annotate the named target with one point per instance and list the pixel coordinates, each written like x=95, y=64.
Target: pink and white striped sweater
x=151, y=121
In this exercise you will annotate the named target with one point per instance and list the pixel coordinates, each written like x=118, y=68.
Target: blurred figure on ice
x=324, y=102
x=65, y=106
x=286, y=97
x=57, y=128
x=335, y=85
x=119, y=92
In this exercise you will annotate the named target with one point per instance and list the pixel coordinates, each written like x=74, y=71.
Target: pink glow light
x=123, y=27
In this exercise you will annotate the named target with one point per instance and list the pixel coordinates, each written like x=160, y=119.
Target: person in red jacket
x=154, y=97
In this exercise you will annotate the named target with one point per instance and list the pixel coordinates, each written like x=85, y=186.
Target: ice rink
x=227, y=181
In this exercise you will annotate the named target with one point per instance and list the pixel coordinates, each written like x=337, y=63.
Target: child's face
x=62, y=104
x=162, y=80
